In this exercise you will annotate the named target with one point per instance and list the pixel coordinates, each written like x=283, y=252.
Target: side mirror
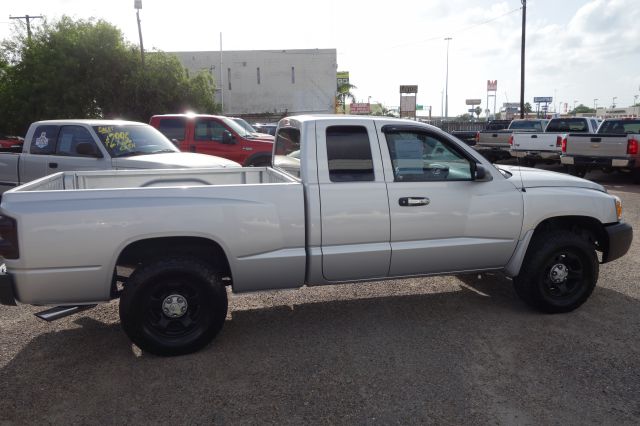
x=88, y=149
x=480, y=173
x=176, y=142
x=227, y=138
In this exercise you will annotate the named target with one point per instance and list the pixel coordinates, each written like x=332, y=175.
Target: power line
x=27, y=18
x=460, y=31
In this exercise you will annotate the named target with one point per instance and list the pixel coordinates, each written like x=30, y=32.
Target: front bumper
x=619, y=236
x=7, y=292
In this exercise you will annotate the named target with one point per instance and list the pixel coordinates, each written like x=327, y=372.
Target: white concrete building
x=254, y=82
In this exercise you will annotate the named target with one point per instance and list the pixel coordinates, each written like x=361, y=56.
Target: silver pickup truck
x=59, y=145
x=348, y=199
x=613, y=147
x=495, y=144
x=547, y=145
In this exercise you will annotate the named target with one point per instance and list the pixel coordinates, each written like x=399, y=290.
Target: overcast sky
x=577, y=50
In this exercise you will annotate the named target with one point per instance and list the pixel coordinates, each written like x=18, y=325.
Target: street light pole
x=446, y=84
x=137, y=4
x=524, y=26
x=613, y=102
x=595, y=104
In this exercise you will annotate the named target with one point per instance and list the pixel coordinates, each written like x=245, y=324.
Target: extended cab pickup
x=216, y=135
x=367, y=199
x=613, y=147
x=533, y=147
x=58, y=145
x=494, y=144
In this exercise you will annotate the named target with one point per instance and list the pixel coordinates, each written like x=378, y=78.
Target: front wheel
x=173, y=306
x=559, y=272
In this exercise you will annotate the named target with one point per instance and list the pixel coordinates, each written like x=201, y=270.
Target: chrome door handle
x=413, y=201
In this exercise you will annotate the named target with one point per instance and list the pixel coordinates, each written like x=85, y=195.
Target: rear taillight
x=563, y=144
x=510, y=140
x=632, y=147
x=558, y=141
x=8, y=238
x=477, y=137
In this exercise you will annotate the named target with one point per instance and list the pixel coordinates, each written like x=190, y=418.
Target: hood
x=173, y=160
x=260, y=137
x=535, y=178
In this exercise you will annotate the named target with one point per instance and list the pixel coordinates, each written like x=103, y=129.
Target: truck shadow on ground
x=475, y=354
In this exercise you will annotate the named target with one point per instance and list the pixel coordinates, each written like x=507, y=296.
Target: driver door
x=442, y=220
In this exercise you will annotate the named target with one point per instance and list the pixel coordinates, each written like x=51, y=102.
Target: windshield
x=568, y=125
x=236, y=127
x=526, y=125
x=244, y=124
x=130, y=139
x=623, y=127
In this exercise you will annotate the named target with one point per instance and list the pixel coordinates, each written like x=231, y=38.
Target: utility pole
x=28, y=19
x=137, y=4
x=446, y=84
x=524, y=26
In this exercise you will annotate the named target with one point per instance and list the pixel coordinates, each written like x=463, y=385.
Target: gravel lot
x=446, y=350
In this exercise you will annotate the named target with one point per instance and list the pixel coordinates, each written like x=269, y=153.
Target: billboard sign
x=342, y=77
x=473, y=101
x=360, y=108
x=543, y=99
x=408, y=89
x=492, y=85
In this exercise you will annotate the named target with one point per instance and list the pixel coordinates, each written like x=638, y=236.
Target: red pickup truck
x=215, y=135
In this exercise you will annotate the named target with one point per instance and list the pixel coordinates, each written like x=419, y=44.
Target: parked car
x=269, y=128
x=10, y=142
x=469, y=136
x=215, y=135
x=613, y=147
x=494, y=144
x=249, y=128
x=376, y=198
x=547, y=145
x=58, y=145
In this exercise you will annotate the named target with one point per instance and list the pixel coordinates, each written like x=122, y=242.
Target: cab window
x=421, y=157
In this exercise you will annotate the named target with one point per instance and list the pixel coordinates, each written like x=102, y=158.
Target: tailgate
x=596, y=145
x=495, y=139
x=535, y=142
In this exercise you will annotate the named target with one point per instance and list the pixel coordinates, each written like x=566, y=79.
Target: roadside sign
x=543, y=99
x=409, y=89
x=473, y=101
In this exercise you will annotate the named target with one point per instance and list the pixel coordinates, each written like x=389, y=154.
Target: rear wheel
x=173, y=306
x=559, y=272
x=578, y=171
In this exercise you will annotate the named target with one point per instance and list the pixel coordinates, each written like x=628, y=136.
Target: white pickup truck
x=613, y=147
x=495, y=145
x=59, y=145
x=348, y=199
x=547, y=145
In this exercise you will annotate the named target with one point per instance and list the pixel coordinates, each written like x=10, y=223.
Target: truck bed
x=121, y=179
x=255, y=214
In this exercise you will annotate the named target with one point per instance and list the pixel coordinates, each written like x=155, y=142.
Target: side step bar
x=62, y=311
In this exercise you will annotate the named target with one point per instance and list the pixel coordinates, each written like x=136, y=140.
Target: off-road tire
x=148, y=292
x=534, y=284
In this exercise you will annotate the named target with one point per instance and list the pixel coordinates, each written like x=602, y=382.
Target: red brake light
x=558, y=141
x=8, y=238
x=632, y=147
x=564, y=144
x=477, y=137
x=510, y=140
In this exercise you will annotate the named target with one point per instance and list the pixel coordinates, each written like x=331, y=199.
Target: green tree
x=344, y=94
x=86, y=69
x=583, y=109
x=527, y=107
